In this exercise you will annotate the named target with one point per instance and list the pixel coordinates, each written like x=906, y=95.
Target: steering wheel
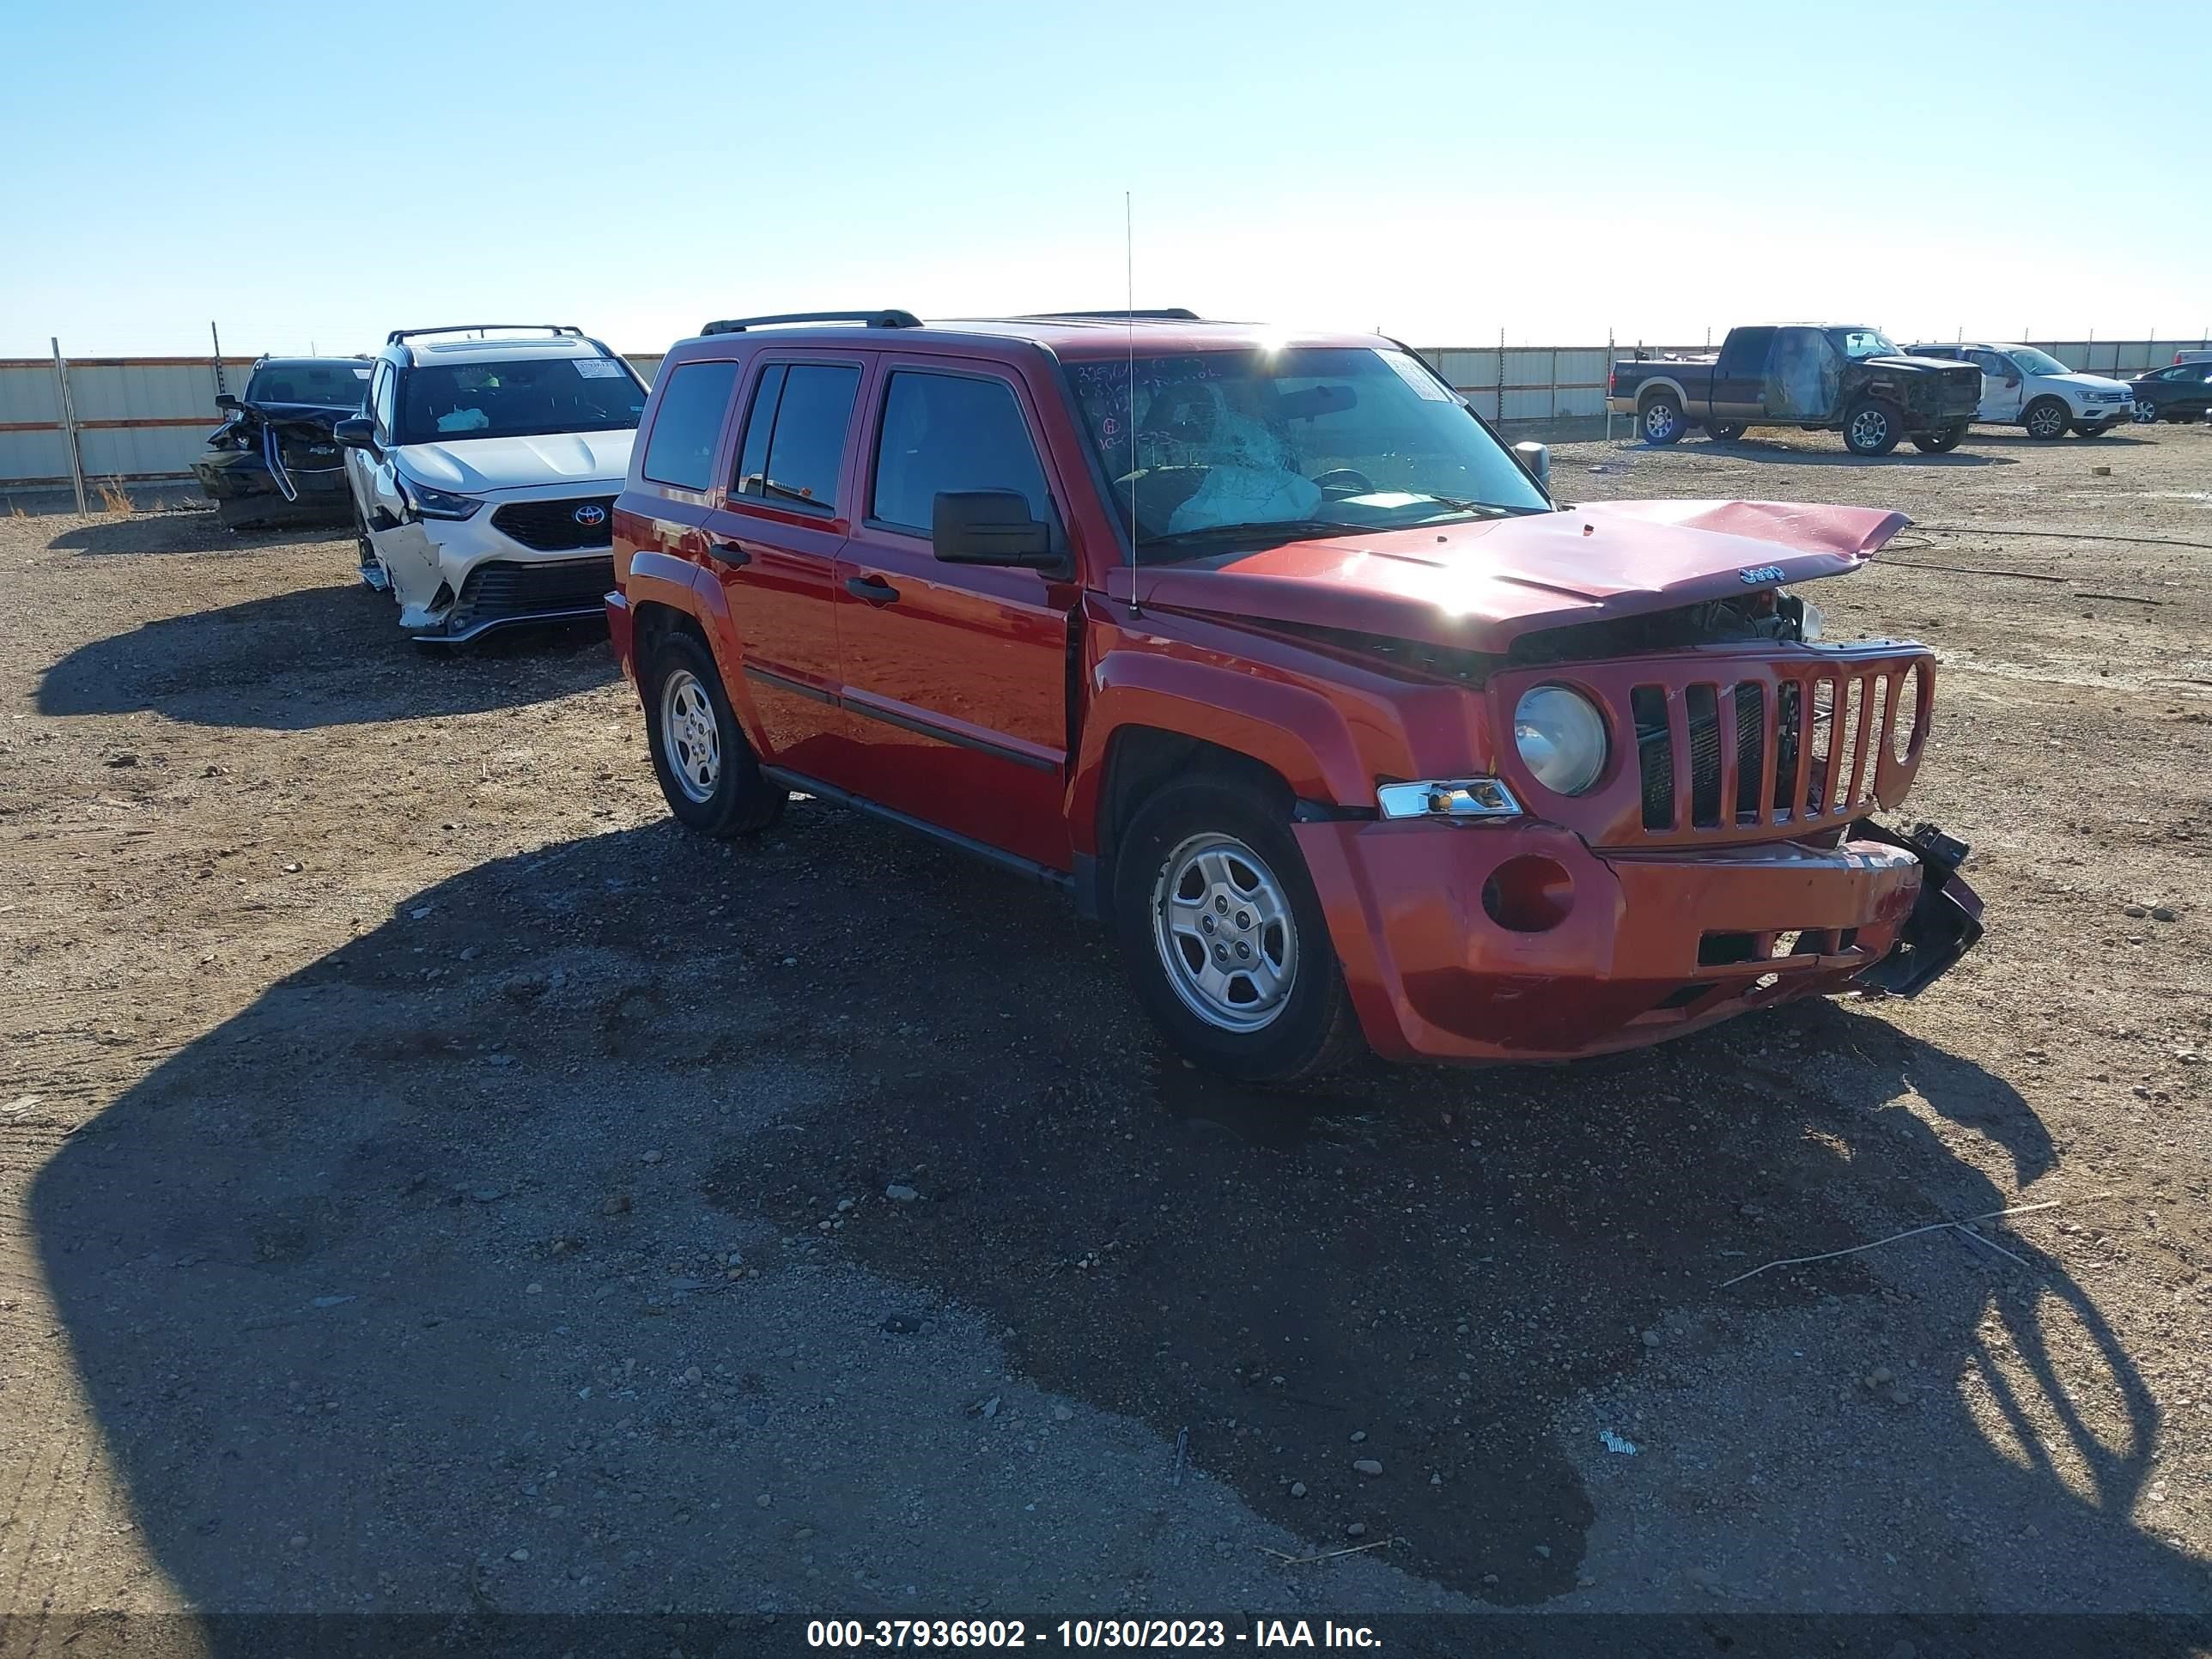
x=1348, y=479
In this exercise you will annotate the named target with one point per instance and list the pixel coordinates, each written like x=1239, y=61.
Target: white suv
x=485, y=472
x=2024, y=388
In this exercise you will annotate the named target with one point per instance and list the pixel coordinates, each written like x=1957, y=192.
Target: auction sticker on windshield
x=1416, y=377
x=598, y=368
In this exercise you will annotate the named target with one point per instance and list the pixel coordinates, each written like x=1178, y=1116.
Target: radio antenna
x=1129, y=277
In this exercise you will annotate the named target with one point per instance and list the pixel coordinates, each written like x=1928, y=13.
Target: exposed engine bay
x=1769, y=614
x=1766, y=613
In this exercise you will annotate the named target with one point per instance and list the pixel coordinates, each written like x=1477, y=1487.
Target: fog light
x=1528, y=894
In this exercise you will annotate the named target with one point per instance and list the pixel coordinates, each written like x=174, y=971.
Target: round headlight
x=1561, y=737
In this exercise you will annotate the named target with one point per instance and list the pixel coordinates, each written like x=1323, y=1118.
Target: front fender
x=1289, y=728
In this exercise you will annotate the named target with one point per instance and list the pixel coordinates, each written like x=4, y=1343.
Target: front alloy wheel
x=1223, y=929
x=2046, y=420
x=1872, y=429
x=2143, y=414
x=1223, y=934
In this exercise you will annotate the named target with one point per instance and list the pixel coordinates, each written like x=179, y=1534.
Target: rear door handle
x=874, y=589
x=729, y=552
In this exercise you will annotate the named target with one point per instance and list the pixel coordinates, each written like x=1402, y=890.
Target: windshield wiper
x=1284, y=530
x=1495, y=509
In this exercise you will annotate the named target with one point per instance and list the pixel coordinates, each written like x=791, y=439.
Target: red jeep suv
x=1270, y=651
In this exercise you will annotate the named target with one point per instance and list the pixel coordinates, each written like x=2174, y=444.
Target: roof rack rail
x=399, y=334
x=869, y=319
x=1162, y=314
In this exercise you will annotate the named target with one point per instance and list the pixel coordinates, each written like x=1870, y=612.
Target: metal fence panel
x=149, y=417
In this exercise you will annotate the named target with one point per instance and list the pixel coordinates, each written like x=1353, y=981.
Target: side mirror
x=2011, y=381
x=226, y=400
x=356, y=432
x=989, y=526
x=1537, y=458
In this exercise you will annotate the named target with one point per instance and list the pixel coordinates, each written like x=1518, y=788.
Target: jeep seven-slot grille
x=1813, y=755
x=556, y=527
x=501, y=590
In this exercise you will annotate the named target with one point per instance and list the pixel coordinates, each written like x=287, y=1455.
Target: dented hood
x=478, y=466
x=1482, y=585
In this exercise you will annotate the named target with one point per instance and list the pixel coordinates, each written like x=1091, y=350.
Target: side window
x=950, y=432
x=681, y=449
x=795, y=432
x=379, y=398
x=1990, y=363
x=1744, y=352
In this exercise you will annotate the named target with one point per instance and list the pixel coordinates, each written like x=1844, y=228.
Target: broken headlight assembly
x=427, y=503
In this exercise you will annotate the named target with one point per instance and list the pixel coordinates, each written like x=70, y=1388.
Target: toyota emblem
x=591, y=515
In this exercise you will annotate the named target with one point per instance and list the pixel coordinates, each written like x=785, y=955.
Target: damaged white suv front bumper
x=461, y=565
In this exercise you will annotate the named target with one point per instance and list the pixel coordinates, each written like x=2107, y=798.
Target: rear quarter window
x=681, y=449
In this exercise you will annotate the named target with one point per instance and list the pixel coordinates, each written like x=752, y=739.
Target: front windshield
x=2038, y=362
x=1855, y=342
x=527, y=397
x=1259, y=446
x=315, y=385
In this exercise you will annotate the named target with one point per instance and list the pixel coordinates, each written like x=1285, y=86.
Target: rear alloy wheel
x=1662, y=420
x=707, y=769
x=1939, y=443
x=2045, y=418
x=1223, y=937
x=1726, y=432
x=1872, y=429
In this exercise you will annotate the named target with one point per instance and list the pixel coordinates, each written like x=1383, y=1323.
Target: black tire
x=740, y=800
x=1940, y=443
x=1726, y=432
x=2046, y=419
x=1872, y=427
x=1312, y=1029
x=1660, y=419
x=2092, y=428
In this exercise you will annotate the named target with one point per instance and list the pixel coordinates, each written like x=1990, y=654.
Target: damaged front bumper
x=1947, y=916
x=455, y=580
x=275, y=464
x=1604, y=951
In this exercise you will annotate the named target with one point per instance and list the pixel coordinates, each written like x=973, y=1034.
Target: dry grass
x=114, y=500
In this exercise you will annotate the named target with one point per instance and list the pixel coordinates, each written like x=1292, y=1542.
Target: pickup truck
x=1267, y=650
x=1815, y=376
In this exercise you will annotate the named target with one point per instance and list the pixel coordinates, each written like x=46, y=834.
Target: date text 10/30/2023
x=1084, y=1633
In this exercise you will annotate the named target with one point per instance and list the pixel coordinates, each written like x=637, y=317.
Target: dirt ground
x=434, y=1184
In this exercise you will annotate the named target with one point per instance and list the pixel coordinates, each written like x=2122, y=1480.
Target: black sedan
x=2183, y=392
x=273, y=460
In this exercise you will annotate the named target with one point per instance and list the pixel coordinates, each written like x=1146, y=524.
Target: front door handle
x=729, y=552
x=874, y=589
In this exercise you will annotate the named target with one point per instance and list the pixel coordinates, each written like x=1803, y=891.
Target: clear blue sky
x=307, y=172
